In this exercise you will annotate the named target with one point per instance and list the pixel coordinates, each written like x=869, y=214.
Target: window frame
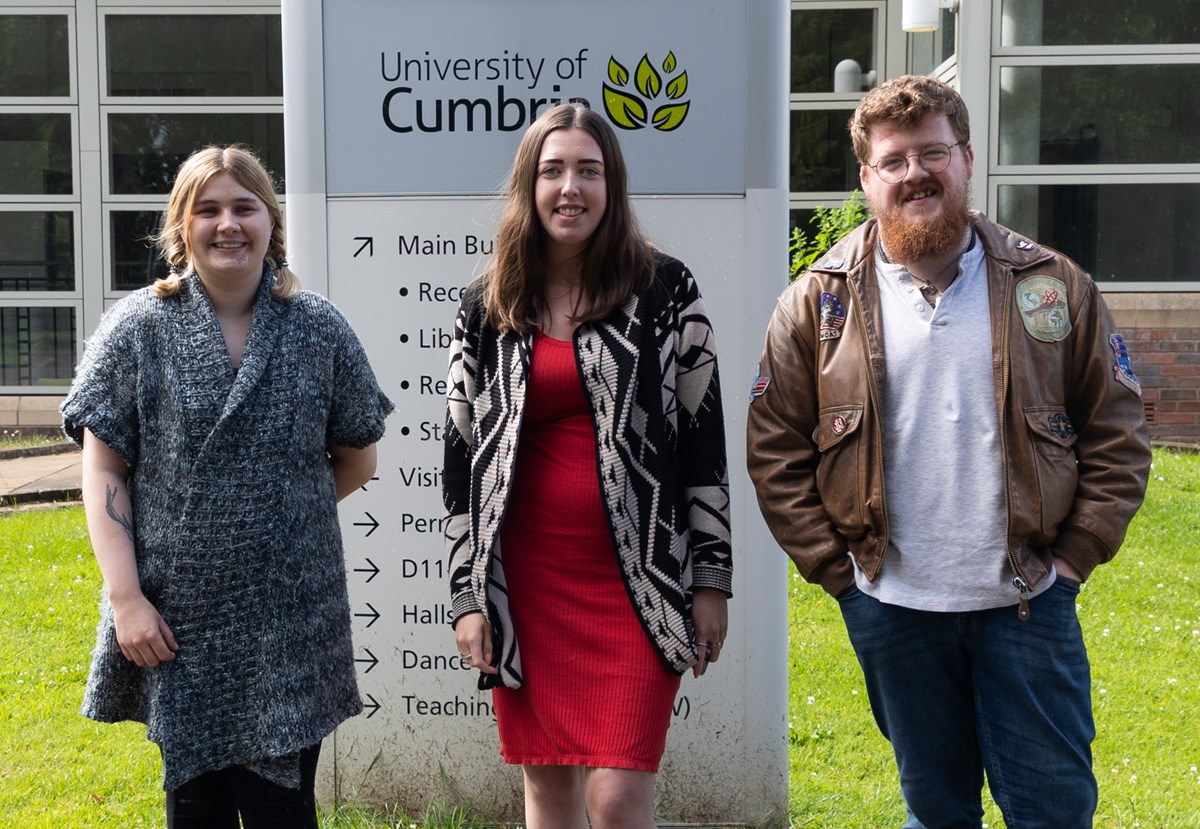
x=999, y=175
x=111, y=202
x=890, y=49
x=76, y=210
x=60, y=108
x=72, y=98
x=183, y=9
x=56, y=302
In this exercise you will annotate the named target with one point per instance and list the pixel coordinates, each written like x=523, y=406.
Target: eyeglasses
x=934, y=158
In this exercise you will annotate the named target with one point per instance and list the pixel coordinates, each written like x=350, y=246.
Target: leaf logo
x=631, y=109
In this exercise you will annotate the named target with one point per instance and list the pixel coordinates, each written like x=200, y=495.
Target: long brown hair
x=193, y=174
x=617, y=256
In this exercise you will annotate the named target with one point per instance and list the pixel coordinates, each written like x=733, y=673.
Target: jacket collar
x=1005, y=246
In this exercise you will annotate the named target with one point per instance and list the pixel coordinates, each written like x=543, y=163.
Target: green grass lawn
x=1141, y=617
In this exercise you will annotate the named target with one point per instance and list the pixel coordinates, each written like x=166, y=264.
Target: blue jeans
x=958, y=694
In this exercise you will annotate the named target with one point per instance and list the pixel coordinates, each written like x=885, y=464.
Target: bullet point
x=404, y=384
x=404, y=292
x=403, y=338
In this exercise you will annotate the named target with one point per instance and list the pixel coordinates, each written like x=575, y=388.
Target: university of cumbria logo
x=640, y=107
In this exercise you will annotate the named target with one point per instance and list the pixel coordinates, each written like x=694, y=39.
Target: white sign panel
x=383, y=219
x=441, y=90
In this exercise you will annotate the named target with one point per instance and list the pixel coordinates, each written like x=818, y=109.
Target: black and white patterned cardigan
x=650, y=376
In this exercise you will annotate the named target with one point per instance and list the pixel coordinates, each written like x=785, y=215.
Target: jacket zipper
x=1018, y=581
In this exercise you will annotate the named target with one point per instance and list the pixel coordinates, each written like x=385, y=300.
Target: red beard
x=907, y=241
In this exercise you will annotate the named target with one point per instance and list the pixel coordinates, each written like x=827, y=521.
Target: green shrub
x=832, y=224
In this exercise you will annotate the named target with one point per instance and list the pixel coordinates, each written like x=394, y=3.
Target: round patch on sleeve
x=1042, y=301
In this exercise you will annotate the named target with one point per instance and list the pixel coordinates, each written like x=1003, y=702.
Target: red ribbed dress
x=596, y=692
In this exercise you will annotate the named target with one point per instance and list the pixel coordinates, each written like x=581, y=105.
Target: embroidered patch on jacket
x=1043, y=304
x=833, y=317
x=1122, y=368
x=759, y=386
x=1060, y=425
x=838, y=424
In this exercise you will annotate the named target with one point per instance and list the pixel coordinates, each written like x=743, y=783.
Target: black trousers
x=215, y=799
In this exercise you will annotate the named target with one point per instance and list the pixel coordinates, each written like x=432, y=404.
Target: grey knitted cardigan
x=237, y=536
x=649, y=371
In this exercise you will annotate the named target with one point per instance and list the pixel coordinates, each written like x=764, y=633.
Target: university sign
x=427, y=81
x=399, y=141
x=403, y=111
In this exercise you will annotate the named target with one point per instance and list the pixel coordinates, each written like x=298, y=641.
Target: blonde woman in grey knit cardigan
x=222, y=414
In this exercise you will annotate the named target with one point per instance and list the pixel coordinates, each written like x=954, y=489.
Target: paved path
x=50, y=475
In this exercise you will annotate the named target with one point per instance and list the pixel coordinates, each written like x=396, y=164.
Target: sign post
x=401, y=123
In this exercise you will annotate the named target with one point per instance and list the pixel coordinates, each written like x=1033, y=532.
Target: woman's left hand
x=710, y=621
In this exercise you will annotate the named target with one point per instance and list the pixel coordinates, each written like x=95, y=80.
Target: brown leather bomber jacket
x=1073, y=434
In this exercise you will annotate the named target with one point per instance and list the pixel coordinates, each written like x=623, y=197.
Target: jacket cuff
x=716, y=578
x=1081, y=550
x=464, y=605
x=835, y=574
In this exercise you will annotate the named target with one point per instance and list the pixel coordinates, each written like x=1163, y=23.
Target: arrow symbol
x=368, y=244
x=364, y=486
x=372, y=569
x=372, y=523
x=373, y=707
x=371, y=660
x=373, y=615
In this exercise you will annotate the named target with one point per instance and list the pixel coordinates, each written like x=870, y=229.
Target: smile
x=569, y=211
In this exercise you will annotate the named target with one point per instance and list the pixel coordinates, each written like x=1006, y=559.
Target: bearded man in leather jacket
x=947, y=435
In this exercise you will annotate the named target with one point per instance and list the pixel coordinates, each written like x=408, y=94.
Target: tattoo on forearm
x=124, y=520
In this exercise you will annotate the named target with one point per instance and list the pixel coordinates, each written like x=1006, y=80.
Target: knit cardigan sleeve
x=700, y=423
x=456, y=467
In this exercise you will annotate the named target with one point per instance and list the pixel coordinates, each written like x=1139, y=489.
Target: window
x=146, y=148
x=172, y=55
x=1106, y=114
x=1119, y=232
x=1099, y=22
x=35, y=153
x=837, y=54
x=1096, y=139
x=35, y=59
x=164, y=96
x=135, y=260
x=37, y=250
x=37, y=346
x=823, y=38
x=822, y=156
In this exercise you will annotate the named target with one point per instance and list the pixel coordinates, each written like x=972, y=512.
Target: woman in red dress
x=585, y=482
